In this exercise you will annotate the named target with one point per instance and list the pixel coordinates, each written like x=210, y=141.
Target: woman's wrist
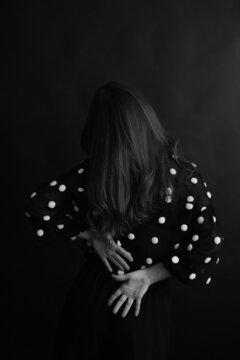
x=156, y=272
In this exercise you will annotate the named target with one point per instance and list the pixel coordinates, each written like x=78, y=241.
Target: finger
x=121, y=261
x=119, y=277
x=115, y=262
x=122, y=299
x=106, y=263
x=84, y=235
x=125, y=253
x=127, y=307
x=114, y=296
x=137, y=307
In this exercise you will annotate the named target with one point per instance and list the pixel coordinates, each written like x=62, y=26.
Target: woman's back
x=184, y=227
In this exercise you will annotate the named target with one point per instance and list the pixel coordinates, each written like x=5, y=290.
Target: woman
x=144, y=215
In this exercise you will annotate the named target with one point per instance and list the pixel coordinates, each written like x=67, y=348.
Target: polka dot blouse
x=184, y=234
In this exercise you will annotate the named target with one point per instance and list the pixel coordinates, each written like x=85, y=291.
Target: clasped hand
x=135, y=286
x=135, y=283
x=107, y=249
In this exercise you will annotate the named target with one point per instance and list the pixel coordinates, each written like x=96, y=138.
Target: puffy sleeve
x=194, y=256
x=56, y=208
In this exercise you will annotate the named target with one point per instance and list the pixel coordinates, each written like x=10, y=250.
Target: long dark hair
x=129, y=150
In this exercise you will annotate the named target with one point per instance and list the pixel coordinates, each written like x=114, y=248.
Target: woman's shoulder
x=187, y=176
x=75, y=174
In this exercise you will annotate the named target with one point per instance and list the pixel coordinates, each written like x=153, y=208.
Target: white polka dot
x=120, y=272
x=195, y=237
x=33, y=194
x=73, y=237
x=209, y=194
x=119, y=243
x=149, y=261
x=80, y=171
x=40, y=232
x=217, y=260
x=208, y=280
x=214, y=219
x=173, y=171
x=168, y=199
x=62, y=188
x=53, y=183
x=200, y=219
x=143, y=267
x=131, y=236
x=27, y=214
x=46, y=217
x=162, y=220
x=154, y=240
x=190, y=198
x=189, y=247
x=60, y=226
x=207, y=260
x=217, y=240
x=51, y=204
x=169, y=191
x=176, y=246
x=205, y=184
x=203, y=208
x=189, y=206
x=184, y=227
x=80, y=189
x=76, y=208
x=175, y=259
x=193, y=164
x=192, y=276
x=194, y=180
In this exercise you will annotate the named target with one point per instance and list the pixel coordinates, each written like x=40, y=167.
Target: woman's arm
x=52, y=209
x=194, y=257
x=156, y=273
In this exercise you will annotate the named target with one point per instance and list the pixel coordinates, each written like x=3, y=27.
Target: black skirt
x=88, y=329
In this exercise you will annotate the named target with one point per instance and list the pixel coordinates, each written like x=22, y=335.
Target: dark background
x=185, y=57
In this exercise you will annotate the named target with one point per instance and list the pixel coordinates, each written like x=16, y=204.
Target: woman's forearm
x=156, y=273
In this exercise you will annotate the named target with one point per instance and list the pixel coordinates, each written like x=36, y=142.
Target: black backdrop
x=185, y=57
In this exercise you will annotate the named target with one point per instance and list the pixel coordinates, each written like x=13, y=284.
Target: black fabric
x=89, y=330
x=184, y=234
